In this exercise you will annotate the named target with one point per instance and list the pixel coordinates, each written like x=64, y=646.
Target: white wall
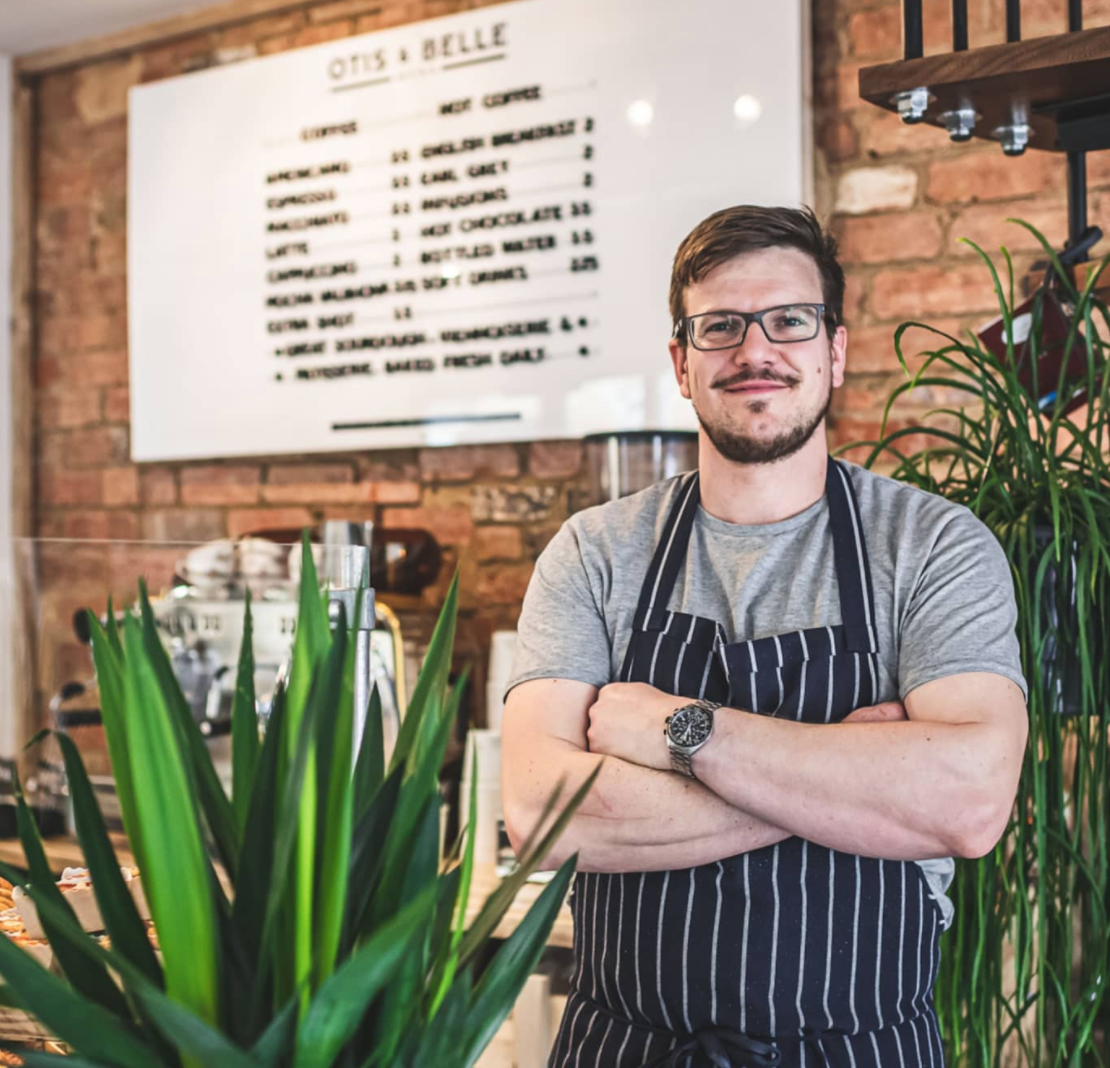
x=9, y=742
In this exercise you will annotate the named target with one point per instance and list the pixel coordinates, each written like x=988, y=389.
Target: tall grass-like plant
x=1025, y=968
x=306, y=922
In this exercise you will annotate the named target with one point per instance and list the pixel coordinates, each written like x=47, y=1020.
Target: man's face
x=761, y=401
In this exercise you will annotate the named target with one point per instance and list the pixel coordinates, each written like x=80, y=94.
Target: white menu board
x=459, y=230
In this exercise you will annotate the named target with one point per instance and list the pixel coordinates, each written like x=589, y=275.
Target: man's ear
x=678, y=360
x=839, y=352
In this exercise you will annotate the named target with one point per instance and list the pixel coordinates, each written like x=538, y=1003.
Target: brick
x=343, y=9
x=69, y=489
x=255, y=520
x=871, y=349
x=498, y=543
x=157, y=486
x=342, y=493
x=329, y=31
x=922, y=292
x=81, y=338
x=855, y=294
x=990, y=229
x=449, y=526
x=253, y=30
x=837, y=138
x=555, y=459
x=989, y=175
x=102, y=446
x=504, y=584
x=69, y=409
x=302, y=474
x=838, y=89
x=120, y=486
x=463, y=463
x=220, y=484
x=876, y=35
x=117, y=404
x=885, y=134
x=863, y=395
x=101, y=90
x=99, y=525
x=94, y=369
x=513, y=504
x=393, y=465
x=848, y=430
x=876, y=189
x=175, y=57
x=184, y=524
x=889, y=238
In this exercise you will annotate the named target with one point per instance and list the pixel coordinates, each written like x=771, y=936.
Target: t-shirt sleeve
x=961, y=615
x=561, y=633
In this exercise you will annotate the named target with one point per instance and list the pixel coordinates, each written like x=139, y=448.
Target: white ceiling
x=29, y=25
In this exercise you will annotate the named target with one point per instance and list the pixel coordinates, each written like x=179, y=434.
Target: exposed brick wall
x=898, y=198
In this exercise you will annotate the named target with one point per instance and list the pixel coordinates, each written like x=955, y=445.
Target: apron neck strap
x=853, y=570
x=670, y=555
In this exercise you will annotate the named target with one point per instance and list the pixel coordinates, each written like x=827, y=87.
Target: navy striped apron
x=794, y=954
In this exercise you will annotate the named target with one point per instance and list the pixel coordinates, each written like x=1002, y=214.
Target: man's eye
x=722, y=326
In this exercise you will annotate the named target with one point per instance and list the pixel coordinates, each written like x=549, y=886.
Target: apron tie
x=719, y=1047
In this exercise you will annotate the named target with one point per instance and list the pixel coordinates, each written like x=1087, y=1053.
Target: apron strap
x=669, y=557
x=853, y=570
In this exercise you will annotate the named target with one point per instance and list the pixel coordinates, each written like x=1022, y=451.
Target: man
x=805, y=682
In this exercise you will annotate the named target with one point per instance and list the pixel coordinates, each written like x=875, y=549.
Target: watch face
x=690, y=726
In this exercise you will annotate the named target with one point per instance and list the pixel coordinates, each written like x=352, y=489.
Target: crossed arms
x=935, y=777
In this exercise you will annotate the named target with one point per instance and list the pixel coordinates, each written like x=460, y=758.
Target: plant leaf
x=343, y=999
x=121, y=918
x=245, y=745
x=174, y=864
x=81, y=1023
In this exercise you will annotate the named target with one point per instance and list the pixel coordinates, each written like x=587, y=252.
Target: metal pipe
x=1077, y=197
x=1013, y=20
x=911, y=24
x=1075, y=15
x=959, y=25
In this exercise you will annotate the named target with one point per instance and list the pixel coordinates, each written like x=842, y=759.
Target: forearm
x=634, y=819
x=901, y=791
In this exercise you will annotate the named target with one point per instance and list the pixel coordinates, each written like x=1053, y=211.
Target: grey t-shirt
x=944, y=600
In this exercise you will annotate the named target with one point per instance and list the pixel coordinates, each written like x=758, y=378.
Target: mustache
x=747, y=374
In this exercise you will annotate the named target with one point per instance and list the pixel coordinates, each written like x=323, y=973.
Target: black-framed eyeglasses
x=783, y=324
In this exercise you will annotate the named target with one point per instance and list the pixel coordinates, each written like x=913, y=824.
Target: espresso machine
x=200, y=619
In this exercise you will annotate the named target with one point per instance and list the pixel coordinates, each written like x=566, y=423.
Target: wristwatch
x=687, y=729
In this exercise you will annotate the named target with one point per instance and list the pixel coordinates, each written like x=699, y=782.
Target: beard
x=743, y=448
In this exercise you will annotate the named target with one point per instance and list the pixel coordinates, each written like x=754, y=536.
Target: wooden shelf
x=1060, y=84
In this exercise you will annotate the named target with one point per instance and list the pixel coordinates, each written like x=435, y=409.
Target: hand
x=884, y=712
x=626, y=721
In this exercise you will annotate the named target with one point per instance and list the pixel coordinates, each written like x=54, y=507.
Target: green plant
x=332, y=934
x=1027, y=962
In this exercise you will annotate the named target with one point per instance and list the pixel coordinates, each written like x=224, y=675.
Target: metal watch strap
x=680, y=762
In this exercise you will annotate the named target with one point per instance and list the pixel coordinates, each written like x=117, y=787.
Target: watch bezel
x=705, y=708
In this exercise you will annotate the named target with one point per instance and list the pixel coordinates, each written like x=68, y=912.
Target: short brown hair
x=745, y=228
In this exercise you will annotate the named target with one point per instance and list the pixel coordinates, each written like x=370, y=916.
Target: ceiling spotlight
x=747, y=108
x=640, y=113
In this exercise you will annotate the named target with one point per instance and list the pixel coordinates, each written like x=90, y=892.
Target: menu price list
x=451, y=254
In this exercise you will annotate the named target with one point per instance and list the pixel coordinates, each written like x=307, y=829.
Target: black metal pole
x=914, y=36
x=1077, y=197
x=1013, y=20
x=959, y=25
x=1077, y=161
